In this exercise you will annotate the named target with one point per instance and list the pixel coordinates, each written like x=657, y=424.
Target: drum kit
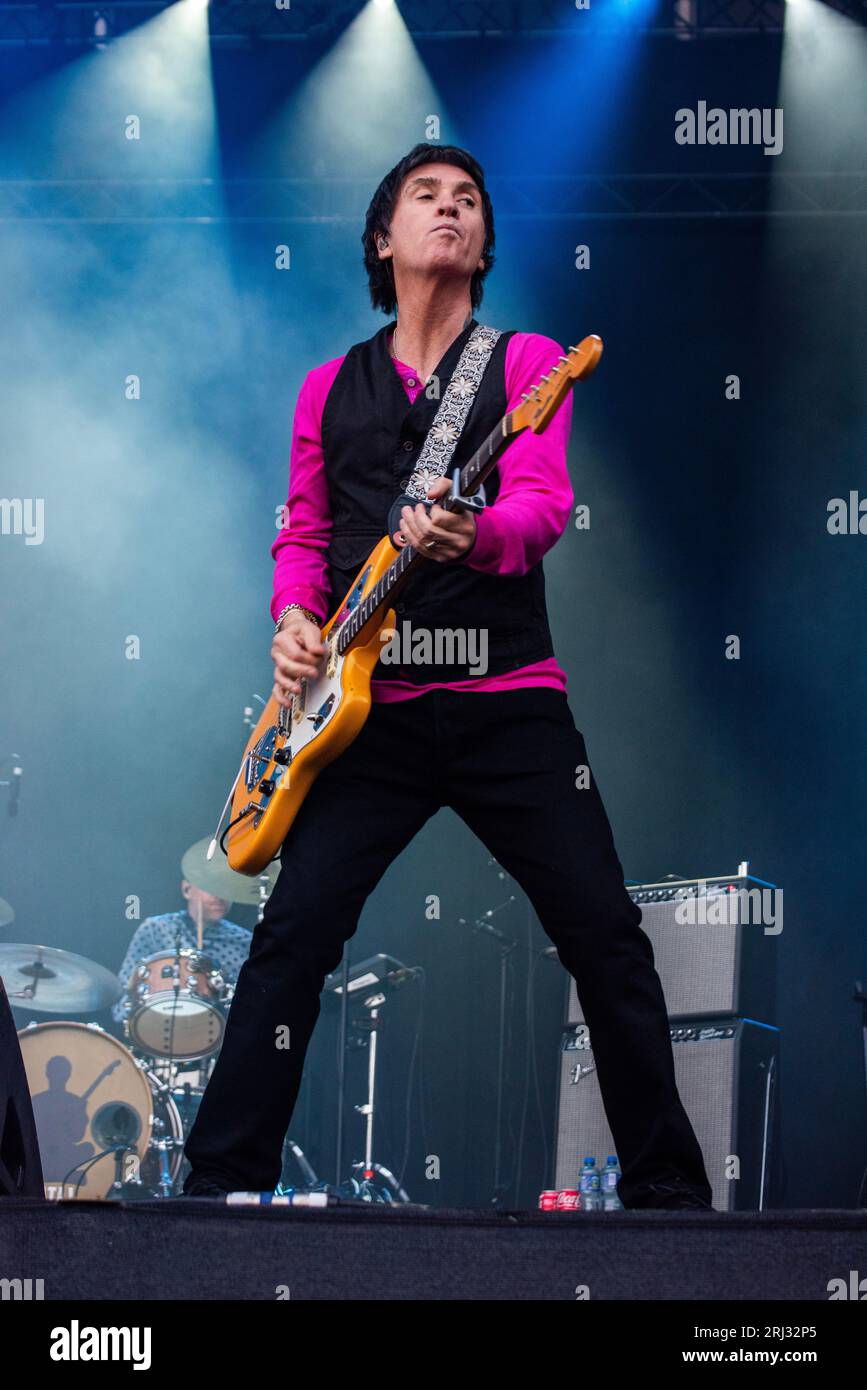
x=112, y=1119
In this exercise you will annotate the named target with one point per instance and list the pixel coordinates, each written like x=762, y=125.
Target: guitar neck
x=473, y=475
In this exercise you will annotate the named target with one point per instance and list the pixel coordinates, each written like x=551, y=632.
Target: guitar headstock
x=540, y=404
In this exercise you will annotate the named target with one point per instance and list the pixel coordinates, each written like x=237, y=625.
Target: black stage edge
x=200, y=1249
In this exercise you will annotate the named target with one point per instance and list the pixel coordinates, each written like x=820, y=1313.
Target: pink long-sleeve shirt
x=531, y=511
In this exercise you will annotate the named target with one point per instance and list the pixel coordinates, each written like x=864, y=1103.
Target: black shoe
x=203, y=1187
x=674, y=1195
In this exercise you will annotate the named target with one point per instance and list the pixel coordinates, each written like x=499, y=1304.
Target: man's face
x=438, y=222
x=198, y=901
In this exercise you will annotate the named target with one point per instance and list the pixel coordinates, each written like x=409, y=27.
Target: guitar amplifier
x=714, y=945
x=726, y=1076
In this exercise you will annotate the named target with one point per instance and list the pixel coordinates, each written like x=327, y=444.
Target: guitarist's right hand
x=296, y=651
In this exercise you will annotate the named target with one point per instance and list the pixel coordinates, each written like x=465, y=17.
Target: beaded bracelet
x=301, y=609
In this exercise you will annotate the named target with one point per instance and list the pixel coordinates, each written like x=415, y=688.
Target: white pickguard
x=311, y=713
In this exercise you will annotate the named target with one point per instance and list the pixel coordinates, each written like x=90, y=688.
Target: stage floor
x=186, y=1248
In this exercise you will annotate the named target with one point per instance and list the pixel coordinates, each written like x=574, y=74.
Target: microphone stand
x=505, y=945
x=341, y=1062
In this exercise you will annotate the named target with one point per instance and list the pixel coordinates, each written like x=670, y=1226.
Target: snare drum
x=176, y=1006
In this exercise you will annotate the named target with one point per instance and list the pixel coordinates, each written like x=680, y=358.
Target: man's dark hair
x=380, y=274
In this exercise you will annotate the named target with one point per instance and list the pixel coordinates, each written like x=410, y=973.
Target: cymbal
x=47, y=980
x=215, y=876
x=7, y=913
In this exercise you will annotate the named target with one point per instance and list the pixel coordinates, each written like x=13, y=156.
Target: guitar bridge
x=259, y=757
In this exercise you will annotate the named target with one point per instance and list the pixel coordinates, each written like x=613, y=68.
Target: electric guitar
x=289, y=746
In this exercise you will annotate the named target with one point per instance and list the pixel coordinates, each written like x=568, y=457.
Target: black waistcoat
x=371, y=439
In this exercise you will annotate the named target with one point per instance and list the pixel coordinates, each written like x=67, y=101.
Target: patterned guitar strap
x=449, y=421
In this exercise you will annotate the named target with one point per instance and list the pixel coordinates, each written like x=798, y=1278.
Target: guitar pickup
x=300, y=701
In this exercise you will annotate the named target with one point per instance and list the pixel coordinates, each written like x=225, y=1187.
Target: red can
x=548, y=1201
x=569, y=1199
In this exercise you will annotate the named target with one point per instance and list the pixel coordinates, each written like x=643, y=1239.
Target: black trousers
x=506, y=763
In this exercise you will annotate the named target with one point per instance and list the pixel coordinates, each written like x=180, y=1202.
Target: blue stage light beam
x=822, y=91
x=139, y=106
x=556, y=105
x=368, y=98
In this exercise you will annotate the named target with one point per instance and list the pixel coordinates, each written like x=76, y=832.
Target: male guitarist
x=501, y=748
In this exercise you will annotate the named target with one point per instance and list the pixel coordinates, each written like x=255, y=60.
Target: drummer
x=224, y=942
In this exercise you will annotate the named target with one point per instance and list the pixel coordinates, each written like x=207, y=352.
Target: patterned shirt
x=226, y=943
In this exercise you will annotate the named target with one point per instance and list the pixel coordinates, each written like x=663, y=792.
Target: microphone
x=479, y=925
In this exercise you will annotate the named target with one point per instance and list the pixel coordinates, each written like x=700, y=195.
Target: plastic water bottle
x=609, y=1179
x=588, y=1186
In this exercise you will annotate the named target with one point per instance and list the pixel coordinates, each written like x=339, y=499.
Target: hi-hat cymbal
x=46, y=980
x=7, y=913
x=215, y=876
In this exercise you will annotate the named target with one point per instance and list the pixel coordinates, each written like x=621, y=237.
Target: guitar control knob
x=267, y=785
x=283, y=756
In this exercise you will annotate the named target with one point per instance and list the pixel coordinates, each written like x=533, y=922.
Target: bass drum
x=90, y=1093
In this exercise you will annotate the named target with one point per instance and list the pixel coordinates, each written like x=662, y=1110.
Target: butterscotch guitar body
x=289, y=747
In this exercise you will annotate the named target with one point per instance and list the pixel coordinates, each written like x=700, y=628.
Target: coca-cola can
x=548, y=1200
x=569, y=1199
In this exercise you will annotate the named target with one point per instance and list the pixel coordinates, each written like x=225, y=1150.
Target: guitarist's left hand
x=454, y=532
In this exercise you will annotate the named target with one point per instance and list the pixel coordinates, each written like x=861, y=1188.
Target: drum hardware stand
x=311, y=1181
x=381, y=1194
x=123, y=1188
x=177, y=987
x=167, y=1142
x=117, y=1186
x=166, y=1184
